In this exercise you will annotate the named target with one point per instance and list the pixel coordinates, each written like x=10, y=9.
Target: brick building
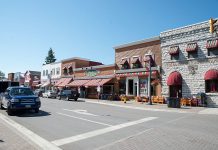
x=132, y=67
x=190, y=62
x=95, y=81
x=69, y=65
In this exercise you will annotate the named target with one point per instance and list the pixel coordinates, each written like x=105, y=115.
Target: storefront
x=96, y=82
x=134, y=61
x=190, y=62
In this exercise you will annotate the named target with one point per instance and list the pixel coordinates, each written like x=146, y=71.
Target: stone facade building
x=190, y=62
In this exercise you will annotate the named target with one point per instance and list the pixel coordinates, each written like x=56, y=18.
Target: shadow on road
x=31, y=113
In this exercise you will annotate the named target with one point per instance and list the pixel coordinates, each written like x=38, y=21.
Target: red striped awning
x=93, y=82
x=123, y=61
x=63, y=82
x=77, y=83
x=104, y=81
x=212, y=44
x=147, y=58
x=211, y=75
x=191, y=47
x=174, y=50
x=174, y=78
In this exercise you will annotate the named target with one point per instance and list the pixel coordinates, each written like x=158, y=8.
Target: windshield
x=21, y=92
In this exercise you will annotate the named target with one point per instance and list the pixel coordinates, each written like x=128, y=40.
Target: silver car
x=49, y=94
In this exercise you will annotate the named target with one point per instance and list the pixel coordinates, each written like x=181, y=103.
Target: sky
x=86, y=28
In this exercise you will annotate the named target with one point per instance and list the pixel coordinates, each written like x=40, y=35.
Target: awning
x=93, y=82
x=78, y=83
x=191, y=47
x=211, y=75
x=104, y=81
x=134, y=60
x=123, y=61
x=45, y=84
x=212, y=44
x=65, y=82
x=147, y=58
x=174, y=50
x=174, y=78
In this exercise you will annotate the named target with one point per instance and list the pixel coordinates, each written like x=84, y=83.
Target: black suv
x=68, y=94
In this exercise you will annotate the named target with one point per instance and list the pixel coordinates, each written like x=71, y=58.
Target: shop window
x=122, y=86
x=175, y=57
x=193, y=54
x=70, y=70
x=65, y=70
x=211, y=86
x=46, y=72
x=58, y=71
x=136, y=65
x=43, y=72
x=213, y=52
x=125, y=66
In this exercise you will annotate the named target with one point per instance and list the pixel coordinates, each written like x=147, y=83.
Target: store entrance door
x=175, y=91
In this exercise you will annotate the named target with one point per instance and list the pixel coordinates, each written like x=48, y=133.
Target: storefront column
x=137, y=87
x=127, y=87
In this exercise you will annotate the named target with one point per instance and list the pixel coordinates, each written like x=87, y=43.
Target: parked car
x=68, y=94
x=49, y=94
x=38, y=92
x=19, y=98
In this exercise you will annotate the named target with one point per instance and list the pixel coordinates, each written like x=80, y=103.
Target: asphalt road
x=81, y=125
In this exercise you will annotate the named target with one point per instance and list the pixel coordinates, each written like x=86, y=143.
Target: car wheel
x=75, y=99
x=37, y=110
x=9, y=112
x=1, y=106
x=59, y=97
x=67, y=98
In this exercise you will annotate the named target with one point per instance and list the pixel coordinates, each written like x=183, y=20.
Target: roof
x=138, y=42
x=34, y=72
x=75, y=58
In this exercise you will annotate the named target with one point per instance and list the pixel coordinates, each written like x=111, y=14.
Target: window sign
x=143, y=87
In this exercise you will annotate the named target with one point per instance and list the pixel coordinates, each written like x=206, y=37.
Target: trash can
x=202, y=99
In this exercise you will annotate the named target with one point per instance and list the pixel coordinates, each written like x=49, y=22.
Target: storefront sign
x=91, y=73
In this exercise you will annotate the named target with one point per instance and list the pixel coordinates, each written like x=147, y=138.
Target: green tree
x=2, y=75
x=51, y=57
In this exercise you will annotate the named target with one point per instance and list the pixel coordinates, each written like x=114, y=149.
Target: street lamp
x=149, y=79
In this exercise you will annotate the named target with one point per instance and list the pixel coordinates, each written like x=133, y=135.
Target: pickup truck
x=19, y=98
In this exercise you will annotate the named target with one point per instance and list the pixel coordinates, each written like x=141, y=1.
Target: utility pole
x=149, y=81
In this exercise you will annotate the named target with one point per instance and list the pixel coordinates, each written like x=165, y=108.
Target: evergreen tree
x=51, y=57
x=2, y=75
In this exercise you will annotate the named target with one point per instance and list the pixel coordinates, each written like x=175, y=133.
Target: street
x=87, y=125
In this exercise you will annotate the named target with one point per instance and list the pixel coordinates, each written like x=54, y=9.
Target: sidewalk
x=11, y=140
x=132, y=104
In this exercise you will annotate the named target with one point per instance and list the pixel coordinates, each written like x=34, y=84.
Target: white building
x=50, y=74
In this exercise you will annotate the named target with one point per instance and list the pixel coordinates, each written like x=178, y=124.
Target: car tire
x=1, y=107
x=59, y=97
x=37, y=110
x=9, y=112
x=67, y=98
x=75, y=99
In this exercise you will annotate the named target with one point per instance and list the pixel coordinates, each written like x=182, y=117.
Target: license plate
x=28, y=106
